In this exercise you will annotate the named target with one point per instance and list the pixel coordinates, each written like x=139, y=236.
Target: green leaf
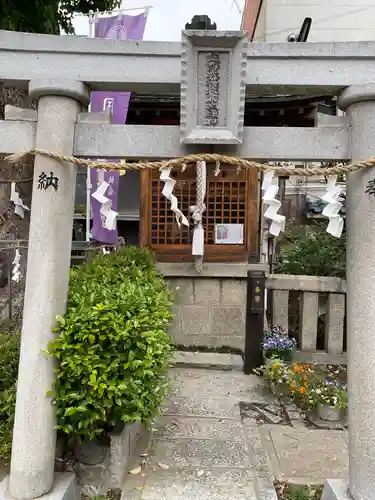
x=70, y=411
x=112, y=350
x=60, y=320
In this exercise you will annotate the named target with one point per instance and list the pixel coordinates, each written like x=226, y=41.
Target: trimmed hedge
x=112, y=348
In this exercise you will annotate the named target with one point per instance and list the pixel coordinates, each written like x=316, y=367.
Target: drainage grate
x=264, y=413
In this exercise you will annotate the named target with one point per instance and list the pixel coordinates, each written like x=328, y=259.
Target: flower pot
x=279, y=355
x=273, y=388
x=269, y=361
x=329, y=413
x=91, y=451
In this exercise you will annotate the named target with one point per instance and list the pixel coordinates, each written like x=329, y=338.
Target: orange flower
x=300, y=368
x=302, y=390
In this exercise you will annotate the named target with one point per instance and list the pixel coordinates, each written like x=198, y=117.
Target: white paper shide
x=19, y=206
x=108, y=216
x=167, y=192
x=333, y=207
x=270, y=189
x=16, y=273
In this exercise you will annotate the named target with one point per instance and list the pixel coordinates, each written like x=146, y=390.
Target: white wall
x=332, y=20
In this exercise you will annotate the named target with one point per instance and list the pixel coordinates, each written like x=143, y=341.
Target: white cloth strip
x=167, y=192
x=333, y=207
x=19, y=206
x=270, y=190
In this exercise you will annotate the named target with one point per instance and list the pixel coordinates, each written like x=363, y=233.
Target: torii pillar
x=34, y=435
x=359, y=104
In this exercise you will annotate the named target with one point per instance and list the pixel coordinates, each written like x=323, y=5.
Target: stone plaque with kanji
x=213, y=84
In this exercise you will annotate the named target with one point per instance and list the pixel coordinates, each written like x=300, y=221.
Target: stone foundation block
x=233, y=341
x=336, y=489
x=206, y=292
x=233, y=292
x=196, y=320
x=182, y=290
x=111, y=472
x=228, y=321
x=64, y=488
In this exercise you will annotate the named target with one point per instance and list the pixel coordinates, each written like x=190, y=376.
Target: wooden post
x=256, y=282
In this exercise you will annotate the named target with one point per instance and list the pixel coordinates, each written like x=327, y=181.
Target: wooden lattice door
x=232, y=197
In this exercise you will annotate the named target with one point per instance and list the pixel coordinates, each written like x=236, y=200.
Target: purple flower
x=277, y=340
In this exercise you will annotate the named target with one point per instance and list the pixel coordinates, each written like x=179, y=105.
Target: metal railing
x=10, y=291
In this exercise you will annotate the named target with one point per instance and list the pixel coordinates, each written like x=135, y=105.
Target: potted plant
x=276, y=374
x=113, y=354
x=331, y=398
x=278, y=345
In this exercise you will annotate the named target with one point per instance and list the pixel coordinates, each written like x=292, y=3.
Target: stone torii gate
x=60, y=72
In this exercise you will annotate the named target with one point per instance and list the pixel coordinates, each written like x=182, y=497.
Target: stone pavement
x=204, y=446
x=306, y=456
x=200, y=447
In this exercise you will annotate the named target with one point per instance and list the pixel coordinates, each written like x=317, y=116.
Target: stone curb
x=208, y=360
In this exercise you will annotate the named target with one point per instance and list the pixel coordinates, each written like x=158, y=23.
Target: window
x=232, y=197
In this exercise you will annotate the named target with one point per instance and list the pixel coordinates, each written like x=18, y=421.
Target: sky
x=168, y=17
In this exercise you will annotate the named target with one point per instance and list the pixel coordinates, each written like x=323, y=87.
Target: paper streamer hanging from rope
x=108, y=215
x=217, y=169
x=19, y=207
x=16, y=274
x=270, y=190
x=333, y=207
x=167, y=192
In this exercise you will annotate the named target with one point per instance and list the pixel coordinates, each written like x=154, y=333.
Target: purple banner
x=98, y=231
x=116, y=102
x=120, y=27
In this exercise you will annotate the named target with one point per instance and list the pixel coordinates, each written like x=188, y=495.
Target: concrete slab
x=305, y=456
x=199, y=428
x=264, y=488
x=200, y=484
x=200, y=453
x=201, y=449
x=210, y=384
x=258, y=455
x=213, y=360
x=202, y=407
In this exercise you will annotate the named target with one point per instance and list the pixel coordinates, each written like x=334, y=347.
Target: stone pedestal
x=34, y=436
x=64, y=488
x=336, y=489
x=110, y=470
x=359, y=103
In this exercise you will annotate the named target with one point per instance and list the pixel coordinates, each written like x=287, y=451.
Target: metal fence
x=11, y=292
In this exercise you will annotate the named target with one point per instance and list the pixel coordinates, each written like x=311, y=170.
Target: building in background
x=332, y=20
x=280, y=21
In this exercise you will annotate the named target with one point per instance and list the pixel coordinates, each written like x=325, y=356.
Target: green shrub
x=9, y=357
x=311, y=251
x=113, y=351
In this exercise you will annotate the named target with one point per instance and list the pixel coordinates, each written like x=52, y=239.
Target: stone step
x=211, y=360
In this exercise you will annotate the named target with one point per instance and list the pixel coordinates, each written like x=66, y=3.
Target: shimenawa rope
x=193, y=158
